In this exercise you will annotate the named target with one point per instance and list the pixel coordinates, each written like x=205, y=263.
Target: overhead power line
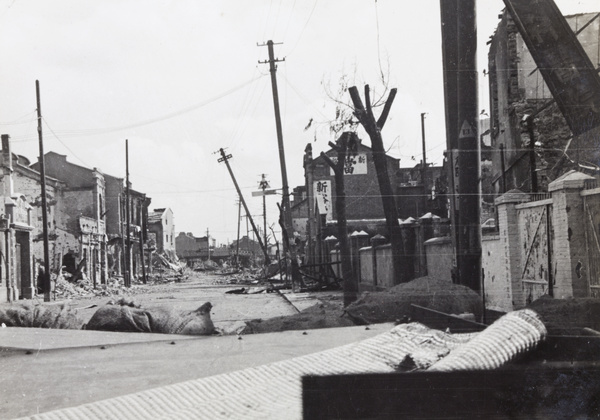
x=96, y=131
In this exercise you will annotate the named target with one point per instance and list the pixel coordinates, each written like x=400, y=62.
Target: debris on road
x=326, y=314
x=36, y=315
x=126, y=316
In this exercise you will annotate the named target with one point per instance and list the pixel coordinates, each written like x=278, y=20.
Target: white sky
x=106, y=67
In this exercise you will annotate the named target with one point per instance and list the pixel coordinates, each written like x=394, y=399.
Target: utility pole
x=141, y=213
x=237, y=245
x=287, y=217
x=424, y=167
x=264, y=184
x=225, y=158
x=469, y=223
x=208, y=243
x=127, y=240
x=47, y=285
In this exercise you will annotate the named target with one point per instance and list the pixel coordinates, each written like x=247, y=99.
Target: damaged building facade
x=16, y=234
x=161, y=228
x=77, y=232
x=524, y=112
x=116, y=227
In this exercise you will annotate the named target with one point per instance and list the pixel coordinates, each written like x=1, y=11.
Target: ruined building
x=16, y=231
x=161, y=226
x=78, y=228
x=517, y=91
x=116, y=226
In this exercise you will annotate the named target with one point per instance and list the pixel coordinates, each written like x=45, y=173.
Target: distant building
x=161, y=224
x=415, y=197
x=116, y=225
x=247, y=250
x=192, y=249
x=314, y=208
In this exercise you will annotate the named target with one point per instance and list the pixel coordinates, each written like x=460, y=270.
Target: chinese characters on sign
x=355, y=165
x=322, y=194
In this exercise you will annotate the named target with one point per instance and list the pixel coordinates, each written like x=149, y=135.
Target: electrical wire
x=304, y=27
x=21, y=120
x=97, y=131
x=63, y=143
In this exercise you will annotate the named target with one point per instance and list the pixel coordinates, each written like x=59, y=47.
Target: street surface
x=44, y=370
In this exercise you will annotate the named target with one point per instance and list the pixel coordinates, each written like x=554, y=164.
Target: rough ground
x=561, y=316
x=327, y=314
x=378, y=307
x=394, y=305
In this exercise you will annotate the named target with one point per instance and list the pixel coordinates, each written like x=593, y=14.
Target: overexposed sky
x=181, y=79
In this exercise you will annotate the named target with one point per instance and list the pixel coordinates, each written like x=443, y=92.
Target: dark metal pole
x=128, y=227
x=449, y=22
x=469, y=225
x=47, y=285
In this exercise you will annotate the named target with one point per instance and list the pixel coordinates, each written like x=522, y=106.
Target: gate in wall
x=539, y=271
x=591, y=210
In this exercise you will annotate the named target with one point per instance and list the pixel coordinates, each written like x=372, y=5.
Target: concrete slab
x=55, y=378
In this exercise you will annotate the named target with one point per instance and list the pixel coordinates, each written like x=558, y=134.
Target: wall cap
x=571, y=179
x=438, y=241
x=512, y=196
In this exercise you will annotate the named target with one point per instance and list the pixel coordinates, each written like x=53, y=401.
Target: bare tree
x=373, y=127
x=346, y=144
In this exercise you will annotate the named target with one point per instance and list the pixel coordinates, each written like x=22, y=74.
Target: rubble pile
x=245, y=276
x=395, y=304
x=162, y=261
x=85, y=288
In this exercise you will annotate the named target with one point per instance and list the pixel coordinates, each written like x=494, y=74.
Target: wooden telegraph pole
x=141, y=213
x=264, y=184
x=424, y=167
x=287, y=233
x=128, y=216
x=237, y=245
x=225, y=158
x=47, y=285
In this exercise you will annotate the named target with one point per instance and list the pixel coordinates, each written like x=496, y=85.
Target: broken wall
x=517, y=89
